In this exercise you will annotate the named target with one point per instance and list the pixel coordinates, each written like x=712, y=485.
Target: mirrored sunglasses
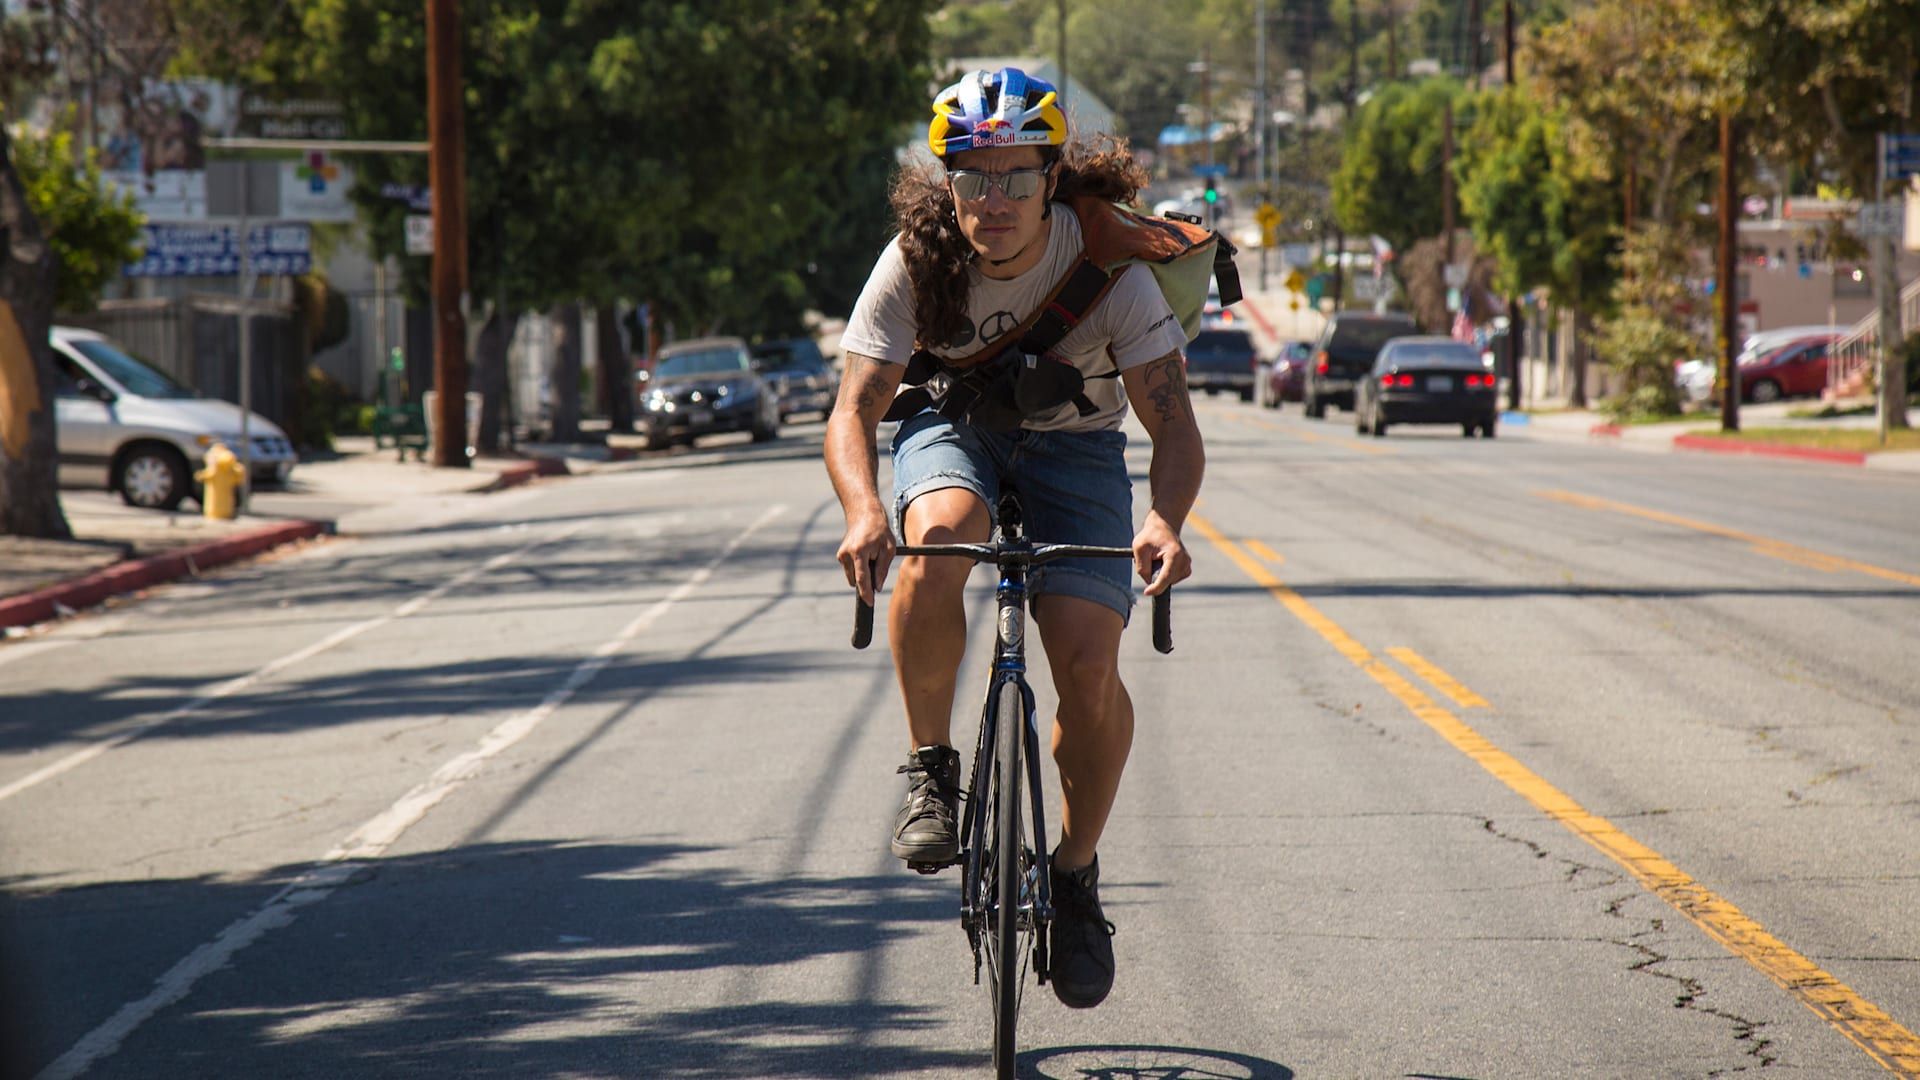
x=971, y=186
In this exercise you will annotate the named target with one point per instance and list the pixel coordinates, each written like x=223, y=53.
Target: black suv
x=1345, y=353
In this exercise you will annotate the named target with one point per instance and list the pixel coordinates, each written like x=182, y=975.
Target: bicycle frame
x=1009, y=676
x=981, y=915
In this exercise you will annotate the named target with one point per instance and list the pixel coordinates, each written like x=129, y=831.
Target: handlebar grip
x=862, y=623
x=1163, y=622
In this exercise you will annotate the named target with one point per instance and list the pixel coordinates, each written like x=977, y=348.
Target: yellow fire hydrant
x=220, y=482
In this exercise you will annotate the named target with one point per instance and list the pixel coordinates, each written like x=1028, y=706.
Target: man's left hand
x=1158, y=543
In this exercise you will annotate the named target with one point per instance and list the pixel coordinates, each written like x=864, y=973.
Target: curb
x=523, y=472
x=1734, y=446
x=1605, y=431
x=123, y=577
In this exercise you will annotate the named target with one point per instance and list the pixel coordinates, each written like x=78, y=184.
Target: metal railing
x=1858, y=352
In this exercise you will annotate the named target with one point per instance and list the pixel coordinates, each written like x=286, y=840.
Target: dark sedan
x=1288, y=379
x=1222, y=360
x=704, y=387
x=798, y=374
x=1427, y=380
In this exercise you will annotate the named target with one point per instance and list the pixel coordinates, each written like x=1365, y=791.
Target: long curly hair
x=936, y=251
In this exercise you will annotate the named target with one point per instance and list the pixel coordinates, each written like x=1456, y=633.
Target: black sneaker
x=1081, y=961
x=923, y=830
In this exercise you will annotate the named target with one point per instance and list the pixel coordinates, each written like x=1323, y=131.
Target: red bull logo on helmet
x=993, y=131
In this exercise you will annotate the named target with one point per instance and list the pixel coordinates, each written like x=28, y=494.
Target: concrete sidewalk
x=1696, y=434
x=117, y=548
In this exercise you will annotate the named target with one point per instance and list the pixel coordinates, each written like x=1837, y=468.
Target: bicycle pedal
x=927, y=867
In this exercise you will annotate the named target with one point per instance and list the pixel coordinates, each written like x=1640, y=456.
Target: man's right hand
x=865, y=553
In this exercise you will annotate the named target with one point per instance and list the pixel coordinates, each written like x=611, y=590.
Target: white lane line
x=370, y=840
x=235, y=685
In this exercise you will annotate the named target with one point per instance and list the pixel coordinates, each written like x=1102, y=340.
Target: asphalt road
x=1475, y=758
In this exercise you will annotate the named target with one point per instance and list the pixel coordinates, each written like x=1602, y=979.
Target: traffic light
x=1213, y=191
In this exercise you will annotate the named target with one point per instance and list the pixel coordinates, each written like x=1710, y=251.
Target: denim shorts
x=1073, y=487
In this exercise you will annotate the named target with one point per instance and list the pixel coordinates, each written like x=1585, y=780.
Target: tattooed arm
x=866, y=390
x=1158, y=392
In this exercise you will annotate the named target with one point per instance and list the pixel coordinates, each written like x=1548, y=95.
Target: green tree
x=1388, y=183
x=1645, y=337
x=93, y=233
x=718, y=159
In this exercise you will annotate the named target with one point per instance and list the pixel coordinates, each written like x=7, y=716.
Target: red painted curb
x=1763, y=449
x=521, y=472
x=122, y=577
x=1610, y=431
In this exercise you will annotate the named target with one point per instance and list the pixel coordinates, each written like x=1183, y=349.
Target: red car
x=1796, y=369
x=1288, y=379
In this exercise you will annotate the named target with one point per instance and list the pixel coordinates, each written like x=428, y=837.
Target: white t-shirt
x=1132, y=322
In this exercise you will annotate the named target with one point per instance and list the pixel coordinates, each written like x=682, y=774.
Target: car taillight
x=1321, y=367
x=1386, y=380
x=1403, y=381
x=1225, y=316
x=1480, y=380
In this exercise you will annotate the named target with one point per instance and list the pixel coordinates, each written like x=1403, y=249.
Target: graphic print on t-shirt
x=996, y=325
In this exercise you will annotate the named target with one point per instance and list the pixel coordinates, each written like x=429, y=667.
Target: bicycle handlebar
x=1038, y=556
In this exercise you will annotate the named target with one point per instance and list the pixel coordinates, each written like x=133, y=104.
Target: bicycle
x=1005, y=892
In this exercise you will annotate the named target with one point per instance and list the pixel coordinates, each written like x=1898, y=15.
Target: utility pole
x=1060, y=10
x=1474, y=29
x=1393, y=42
x=446, y=166
x=1886, y=293
x=1262, y=114
x=1206, y=99
x=1516, y=311
x=1446, y=179
x=1353, y=95
x=1727, y=285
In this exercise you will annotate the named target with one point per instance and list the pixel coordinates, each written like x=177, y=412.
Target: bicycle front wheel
x=1009, y=865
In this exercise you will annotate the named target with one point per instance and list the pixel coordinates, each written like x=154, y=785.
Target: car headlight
x=656, y=401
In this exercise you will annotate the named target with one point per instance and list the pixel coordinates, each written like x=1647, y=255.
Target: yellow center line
x=1439, y=679
x=1868, y=1026
x=1777, y=549
x=1264, y=552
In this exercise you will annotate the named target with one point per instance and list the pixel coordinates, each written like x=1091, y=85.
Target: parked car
x=1428, y=380
x=1212, y=314
x=125, y=426
x=704, y=387
x=1788, y=362
x=1288, y=379
x=801, y=378
x=1221, y=360
x=1795, y=369
x=1345, y=353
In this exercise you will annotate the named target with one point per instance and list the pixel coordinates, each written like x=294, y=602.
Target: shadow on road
x=1130, y=1062
x=528, y=958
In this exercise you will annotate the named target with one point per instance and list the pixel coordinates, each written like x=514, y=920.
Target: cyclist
x=982, y=240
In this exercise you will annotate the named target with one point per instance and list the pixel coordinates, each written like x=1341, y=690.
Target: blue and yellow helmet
x=996, y=108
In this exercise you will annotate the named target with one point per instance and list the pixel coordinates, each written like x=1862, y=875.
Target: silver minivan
x=127, y=427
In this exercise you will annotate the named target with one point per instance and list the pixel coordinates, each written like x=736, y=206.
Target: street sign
x=1366, y=288
x=214, y=250
x=1880, y=219
x=1316, y=288
x=1455, y=275
x=419, y=234
x=1296, y=281
x=1900, y=155
x=1210, y=170
x=417, y=196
